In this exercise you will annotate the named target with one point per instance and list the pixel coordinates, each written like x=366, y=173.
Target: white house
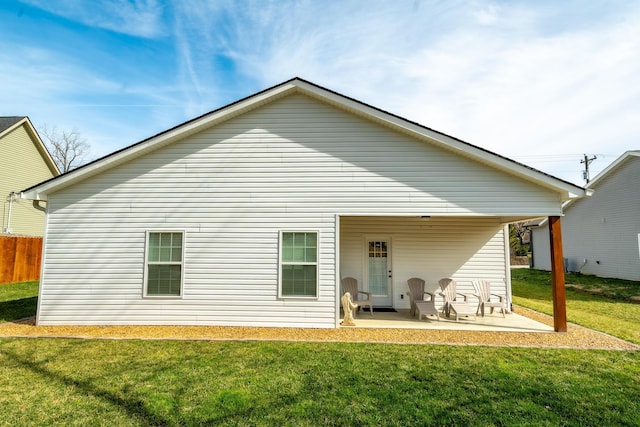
x=601, y=233
x=251, y=214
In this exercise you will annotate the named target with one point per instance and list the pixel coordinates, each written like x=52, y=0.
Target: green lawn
x=612, y=315
x=94, y=382
x=609, y=288
x=135, y=382
x=18, y=300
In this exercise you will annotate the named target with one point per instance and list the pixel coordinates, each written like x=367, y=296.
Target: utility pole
x=587, y=161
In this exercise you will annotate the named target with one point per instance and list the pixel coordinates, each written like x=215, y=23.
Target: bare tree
x=519, y=238
x=68, y=149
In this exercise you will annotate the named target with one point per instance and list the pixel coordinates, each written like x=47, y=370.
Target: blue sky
x=542, y=82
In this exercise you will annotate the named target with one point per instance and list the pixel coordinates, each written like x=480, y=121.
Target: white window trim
x=146, y=264
x=317, y=264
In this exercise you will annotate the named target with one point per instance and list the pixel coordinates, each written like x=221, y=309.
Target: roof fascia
x=42, y=147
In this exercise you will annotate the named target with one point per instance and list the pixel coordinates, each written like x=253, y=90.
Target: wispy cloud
x=520, y=79
x=530, y=80
x=142, y=18
x=53, y=89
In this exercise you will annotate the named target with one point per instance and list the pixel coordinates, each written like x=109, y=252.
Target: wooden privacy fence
x=20, y=258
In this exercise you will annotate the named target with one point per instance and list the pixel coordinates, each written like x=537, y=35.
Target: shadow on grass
x=609, y=288
x=542, y=293
x=579, y=295
x=133, y=406
x=18, y=309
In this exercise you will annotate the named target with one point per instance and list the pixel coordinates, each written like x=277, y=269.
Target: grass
x=18, y=300
x=135, y=382
x=612, y=315
x=94, y=382
x=616, y=289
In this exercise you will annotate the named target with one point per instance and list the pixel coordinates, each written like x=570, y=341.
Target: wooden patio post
x=557, y=275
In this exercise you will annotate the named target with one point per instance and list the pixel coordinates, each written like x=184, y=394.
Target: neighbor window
x=164, y=263
x=298, y=264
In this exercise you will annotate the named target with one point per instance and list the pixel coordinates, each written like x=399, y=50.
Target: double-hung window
x=164, y=265
x=298, y=264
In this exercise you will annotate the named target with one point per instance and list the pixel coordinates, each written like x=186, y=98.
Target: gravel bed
x=577, y=337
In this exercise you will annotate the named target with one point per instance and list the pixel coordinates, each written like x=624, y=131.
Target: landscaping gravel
x=577, y=337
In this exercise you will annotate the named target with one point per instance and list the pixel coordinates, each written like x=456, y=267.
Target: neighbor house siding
x=289, y=165
x=461, y=248
x=541, y=248
x=21, y=166
x=600, y=233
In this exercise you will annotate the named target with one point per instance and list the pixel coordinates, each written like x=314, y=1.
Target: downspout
x=532, y=259
x=36, y=204
x=8, y=228
x=507, y=264
x=337, y=272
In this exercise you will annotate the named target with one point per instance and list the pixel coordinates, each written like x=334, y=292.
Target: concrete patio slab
x=490, y=322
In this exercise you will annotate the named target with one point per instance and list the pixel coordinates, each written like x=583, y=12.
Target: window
x=298, y=264
x=164, y=263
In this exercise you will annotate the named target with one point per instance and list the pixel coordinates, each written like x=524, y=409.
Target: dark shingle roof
x=7, y=122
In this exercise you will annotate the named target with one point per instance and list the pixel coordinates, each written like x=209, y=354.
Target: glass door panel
x=379, y=272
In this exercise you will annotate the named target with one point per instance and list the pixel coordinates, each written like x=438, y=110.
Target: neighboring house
x=601, y=233
x=252, y=214
x=24, y=161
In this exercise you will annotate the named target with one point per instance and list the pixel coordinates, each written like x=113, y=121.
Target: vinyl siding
x=21, y=166
x=603, y=229
x=541, y=247
x=292, y=164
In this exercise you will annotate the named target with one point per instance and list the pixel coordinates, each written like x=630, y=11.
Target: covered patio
x=382, y=252
x=429, y=249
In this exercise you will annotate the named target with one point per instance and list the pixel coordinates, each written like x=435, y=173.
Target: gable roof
x=606, y=172
x=297, y=85
x=9, y=123
x=603, y=175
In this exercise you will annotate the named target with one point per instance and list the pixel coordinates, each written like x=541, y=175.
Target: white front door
x=378, y=271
